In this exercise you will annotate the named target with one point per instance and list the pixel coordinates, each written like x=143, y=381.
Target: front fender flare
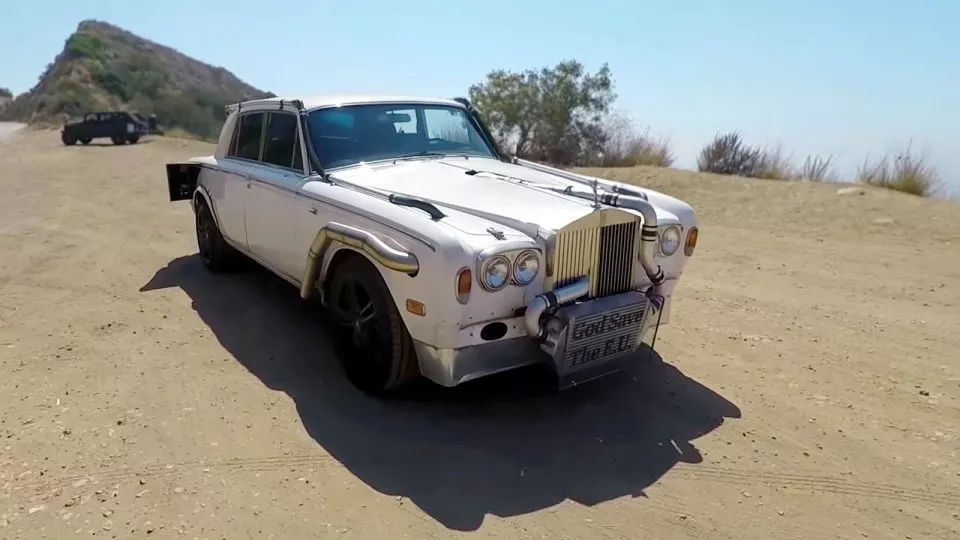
x=399, y=260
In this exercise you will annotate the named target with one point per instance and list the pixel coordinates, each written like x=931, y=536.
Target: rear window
x=249, y=130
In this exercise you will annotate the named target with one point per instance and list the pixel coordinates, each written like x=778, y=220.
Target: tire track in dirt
x=818, y=484
x=800, y=482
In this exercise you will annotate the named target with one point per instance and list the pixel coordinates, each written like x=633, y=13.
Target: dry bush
x=625, y=146
x=645, y=150
x=817, y=169
x=904, y=172
x=728, y=154
x=773, y=164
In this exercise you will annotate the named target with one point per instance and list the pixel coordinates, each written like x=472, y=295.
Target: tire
x=133, y=139
x=117, y=140
x=377, y=355
x=68, y=140
x=85, y=140
x=217, y=255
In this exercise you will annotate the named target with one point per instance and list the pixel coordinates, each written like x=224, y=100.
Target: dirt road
x=810, y=386
x=8, y=129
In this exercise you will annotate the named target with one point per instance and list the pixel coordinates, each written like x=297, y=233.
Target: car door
x=230, y=184
x=272, y=200
x=93, y=125
x=108, y=125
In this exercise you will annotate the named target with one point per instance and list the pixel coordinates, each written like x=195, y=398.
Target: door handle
x=313, y=209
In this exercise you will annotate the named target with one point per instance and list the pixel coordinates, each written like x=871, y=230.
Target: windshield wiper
x=422, y=153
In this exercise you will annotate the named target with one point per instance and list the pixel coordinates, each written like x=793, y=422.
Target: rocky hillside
x=105, y=67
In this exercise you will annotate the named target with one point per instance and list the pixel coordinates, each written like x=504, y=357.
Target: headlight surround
x=526, y=267
x=496, y=273
x=670, y=238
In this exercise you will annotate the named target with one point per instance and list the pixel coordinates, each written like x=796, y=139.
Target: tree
x=552, y=114
x=5, y=92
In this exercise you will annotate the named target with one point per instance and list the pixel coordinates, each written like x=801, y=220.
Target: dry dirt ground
x=810, y=387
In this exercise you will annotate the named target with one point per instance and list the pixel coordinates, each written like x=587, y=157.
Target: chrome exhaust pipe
x=550, y=300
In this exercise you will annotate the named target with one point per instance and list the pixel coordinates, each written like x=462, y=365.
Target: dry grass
x=905, y=172
x=645, y=150
x=817, y=169
x=773, y=164
x=627, y=146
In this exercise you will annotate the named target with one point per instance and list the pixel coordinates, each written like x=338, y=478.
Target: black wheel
x=85, y=140
x=373, y=344
x=68, y=139
x=117, y=140
x=133, y=139
x=217, y=255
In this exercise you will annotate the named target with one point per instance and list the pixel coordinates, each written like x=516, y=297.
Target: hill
x=103, y=66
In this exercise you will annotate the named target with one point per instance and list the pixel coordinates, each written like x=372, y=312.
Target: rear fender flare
x=199, y=194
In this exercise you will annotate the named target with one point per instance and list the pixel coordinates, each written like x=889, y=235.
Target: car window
x=278, y=147
x=352, y=134
x=248, y=136
x=403, y=120
x=447, y=125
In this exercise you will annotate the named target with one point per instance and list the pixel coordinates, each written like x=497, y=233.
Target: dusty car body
x=437, y=254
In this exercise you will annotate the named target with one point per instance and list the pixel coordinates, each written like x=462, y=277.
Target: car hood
x=471, y=186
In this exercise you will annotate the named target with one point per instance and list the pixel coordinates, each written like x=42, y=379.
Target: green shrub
x=196, y=113
x=86, y=46
x=70, y=98
x=132, y=75
x=113, y=83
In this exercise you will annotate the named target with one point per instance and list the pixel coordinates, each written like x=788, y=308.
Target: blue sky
x=850, y=78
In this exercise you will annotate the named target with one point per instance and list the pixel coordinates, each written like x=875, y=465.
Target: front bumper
x=578, y=340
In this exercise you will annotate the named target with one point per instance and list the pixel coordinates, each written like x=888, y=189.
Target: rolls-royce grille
x=608, y=254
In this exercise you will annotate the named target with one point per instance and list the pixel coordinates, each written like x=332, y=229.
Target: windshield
x=352, y=134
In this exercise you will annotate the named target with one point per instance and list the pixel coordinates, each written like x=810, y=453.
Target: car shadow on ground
x=504, y=445
x=108, y=143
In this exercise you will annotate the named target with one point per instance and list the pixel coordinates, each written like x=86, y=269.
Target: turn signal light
x=415, y=307
x=464, y=284
x=691, y=243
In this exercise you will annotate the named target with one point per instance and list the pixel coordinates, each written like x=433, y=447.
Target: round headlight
x=670, y=240
x=526, y=267
x=496, y=273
